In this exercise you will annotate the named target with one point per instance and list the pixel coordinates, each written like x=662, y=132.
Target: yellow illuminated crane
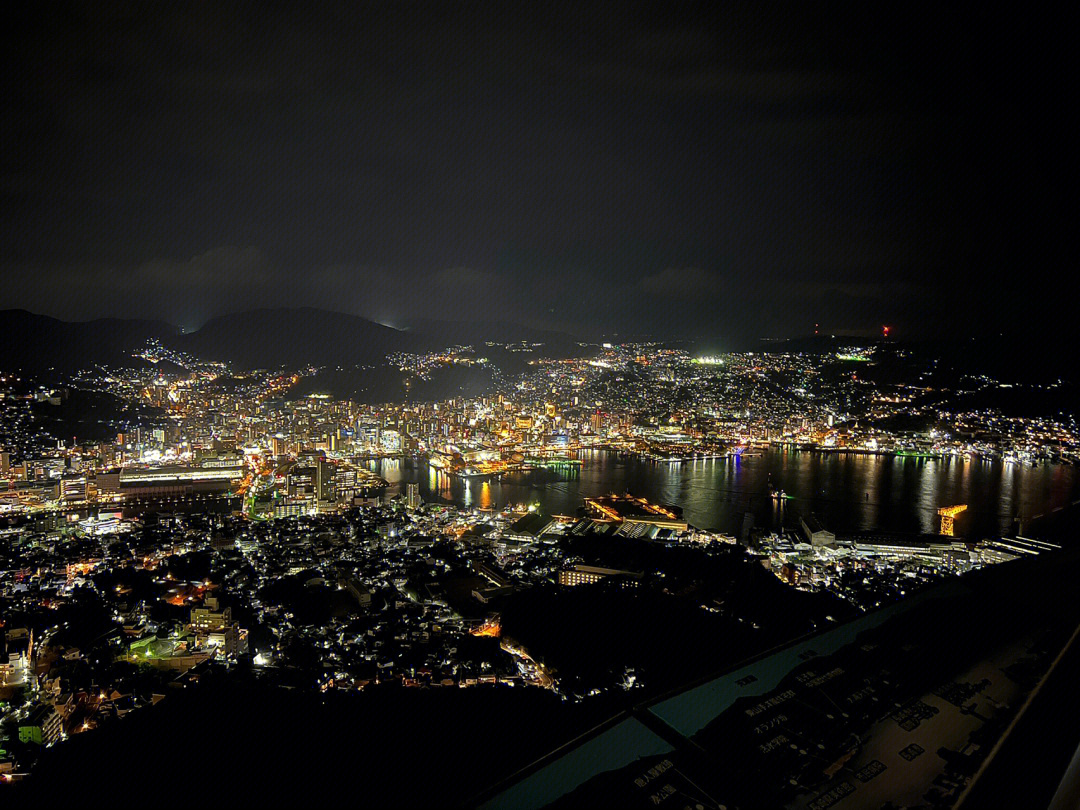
x=947, y=514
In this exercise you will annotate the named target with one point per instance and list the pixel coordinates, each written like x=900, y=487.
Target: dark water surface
x=847, y=492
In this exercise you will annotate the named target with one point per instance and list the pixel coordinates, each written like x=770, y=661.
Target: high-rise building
x=325, y=485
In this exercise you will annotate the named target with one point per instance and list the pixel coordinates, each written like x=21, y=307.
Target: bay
x=847, y=492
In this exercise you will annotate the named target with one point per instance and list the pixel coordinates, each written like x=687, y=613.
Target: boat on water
x=440, y=461
x=471, y=473
x=550, y=462
x=777, y=495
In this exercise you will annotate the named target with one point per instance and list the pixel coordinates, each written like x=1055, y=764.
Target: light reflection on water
x=848, y=492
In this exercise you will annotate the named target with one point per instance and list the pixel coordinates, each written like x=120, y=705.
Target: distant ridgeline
x=260, y=338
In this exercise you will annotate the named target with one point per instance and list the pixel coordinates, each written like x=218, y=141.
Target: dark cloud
x=557, y=166
x=679, y=283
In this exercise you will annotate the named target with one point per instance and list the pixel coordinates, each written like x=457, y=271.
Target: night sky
x=737, y=175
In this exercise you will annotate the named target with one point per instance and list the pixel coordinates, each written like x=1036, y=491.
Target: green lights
x=853, y=358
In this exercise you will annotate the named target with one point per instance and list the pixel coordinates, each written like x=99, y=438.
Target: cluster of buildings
x=98, y=624
x=215, y=520
x=201, y=429
x=870, y=569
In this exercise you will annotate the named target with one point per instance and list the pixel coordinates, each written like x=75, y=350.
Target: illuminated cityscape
x=533, y=408
x=238, y=523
